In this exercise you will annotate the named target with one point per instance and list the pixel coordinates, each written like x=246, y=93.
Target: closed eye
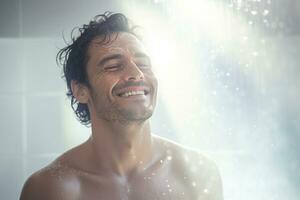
x=113, y=67
x=143, y=65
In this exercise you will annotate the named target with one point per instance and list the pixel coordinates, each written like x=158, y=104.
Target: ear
x=80, y=91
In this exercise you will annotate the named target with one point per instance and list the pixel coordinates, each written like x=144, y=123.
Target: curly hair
x=74, y=56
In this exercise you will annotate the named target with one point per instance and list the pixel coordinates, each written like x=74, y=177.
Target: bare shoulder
x=185, y=155
x=194, y=168
x=55, y=181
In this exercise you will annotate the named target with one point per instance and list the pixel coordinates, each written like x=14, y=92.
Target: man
x=112, y=87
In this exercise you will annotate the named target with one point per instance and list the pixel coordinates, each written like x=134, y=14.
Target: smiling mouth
x=133, y=93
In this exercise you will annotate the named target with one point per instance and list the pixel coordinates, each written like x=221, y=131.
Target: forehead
x=116, y=42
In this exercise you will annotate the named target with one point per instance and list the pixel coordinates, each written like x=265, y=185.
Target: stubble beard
x=131, y=116
x=123, y=115
x=116, y=113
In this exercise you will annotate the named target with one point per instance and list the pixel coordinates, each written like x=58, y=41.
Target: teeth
x=131, y=93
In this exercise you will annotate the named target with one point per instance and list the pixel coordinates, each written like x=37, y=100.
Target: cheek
x=105, y=86
x=104, y=81
x=153, y=79
x=150, y=74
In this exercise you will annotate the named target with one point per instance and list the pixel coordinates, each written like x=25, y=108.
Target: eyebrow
x=141, y=55
x=119, y=56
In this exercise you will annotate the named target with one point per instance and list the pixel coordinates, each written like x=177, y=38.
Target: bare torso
x=175, y=173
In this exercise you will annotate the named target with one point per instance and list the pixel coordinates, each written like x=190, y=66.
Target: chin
x=130, y=115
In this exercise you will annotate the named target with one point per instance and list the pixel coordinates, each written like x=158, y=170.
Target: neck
x=121, y=148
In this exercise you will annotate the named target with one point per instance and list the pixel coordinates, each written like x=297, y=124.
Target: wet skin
x=122, y=159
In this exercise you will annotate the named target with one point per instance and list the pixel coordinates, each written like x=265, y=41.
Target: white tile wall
x=42, y=74
x=11, y=176
x=44, y=125
x=37, y=123
x=11, y=125
x=11, y=55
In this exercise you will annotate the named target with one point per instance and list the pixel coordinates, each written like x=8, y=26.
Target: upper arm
x=204, y=176
x=30, y=189
x=49, y=187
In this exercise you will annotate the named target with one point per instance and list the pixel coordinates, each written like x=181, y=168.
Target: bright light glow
x=173, y=65
x=219, y=102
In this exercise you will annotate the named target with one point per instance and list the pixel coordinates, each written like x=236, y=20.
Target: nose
x=133, y=72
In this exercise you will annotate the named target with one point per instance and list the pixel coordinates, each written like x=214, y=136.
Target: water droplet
x=266, y=12
x=163, y=193
x=205, y=190
x=253, y=12
x=161, y=161
x=245, y=38
x=169, y=158
x=186, y=158
x=194, y=184
x=170, y=190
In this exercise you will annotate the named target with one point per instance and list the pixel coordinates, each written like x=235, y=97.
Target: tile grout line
x=23, y=95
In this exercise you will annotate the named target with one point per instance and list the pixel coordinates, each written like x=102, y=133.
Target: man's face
x=122, y=84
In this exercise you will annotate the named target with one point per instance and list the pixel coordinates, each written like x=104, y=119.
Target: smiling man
x=113, y=88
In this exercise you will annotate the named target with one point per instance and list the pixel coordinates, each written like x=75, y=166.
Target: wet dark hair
x=74, y=56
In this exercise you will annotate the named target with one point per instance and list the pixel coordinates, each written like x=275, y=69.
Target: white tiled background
x=37, y=123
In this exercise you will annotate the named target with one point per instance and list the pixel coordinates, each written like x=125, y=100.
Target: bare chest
x=149, y=187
